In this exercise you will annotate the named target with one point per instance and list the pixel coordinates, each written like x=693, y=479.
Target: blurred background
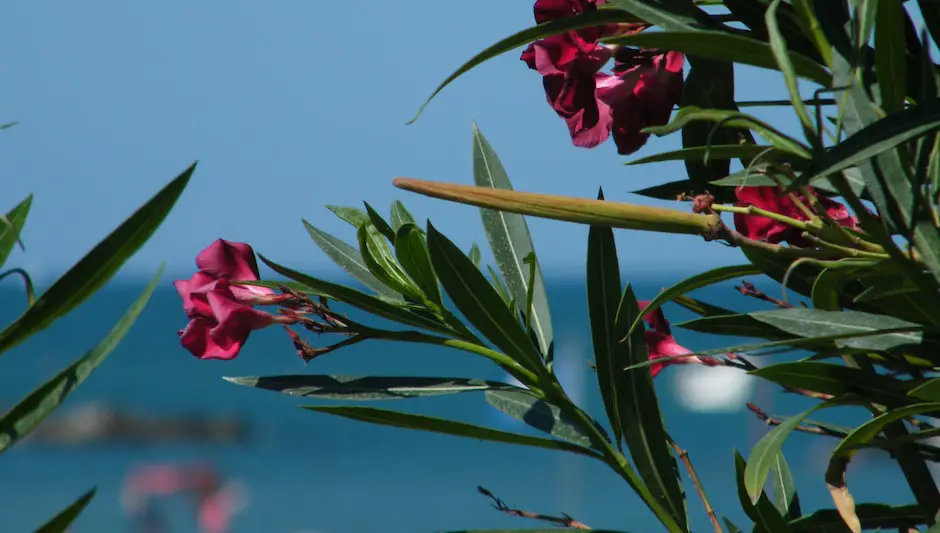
x=289, y=106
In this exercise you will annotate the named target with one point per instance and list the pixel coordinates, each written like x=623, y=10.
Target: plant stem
x=614, y=459
x=683, y=456
x=756, y=211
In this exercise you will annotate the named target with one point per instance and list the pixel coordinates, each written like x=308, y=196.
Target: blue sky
x=288, y=106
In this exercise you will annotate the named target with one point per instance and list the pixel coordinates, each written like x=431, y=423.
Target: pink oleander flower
x=222, y=314
x=771, y=198
x=642, y=91
x=660, y=342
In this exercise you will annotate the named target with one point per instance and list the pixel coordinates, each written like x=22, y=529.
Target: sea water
x=312, y=472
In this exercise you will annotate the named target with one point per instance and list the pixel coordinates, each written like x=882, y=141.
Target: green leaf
x=61, y=521
x=876, y=138
x=768, y=448
x=733, y=119
x=12, y=226
x=929, y=391
x=836, y=380
x=477, y=300
x=705, y=153
x=868, y=431
x=786, y=499
x=891, y=56
x=351, y=215
x=475, y=255
x=367, y=388
x=411, y=249
x=604, y=294
x=736, y=325
x=790, y=68
x=380, y=224
x=750, y=177
x=697, y=281
x=400, y=216
x=872, y=516
x=378, y=257
x=670, y=16
x=727, y=47
x=641, y=420
x=804, y=322
x=349, y=259
x=32, y=410
x=763, y=513
x=359, y=300
x=385, y=417
x=510, y=241
x=97, y=267
x=552, y=27
x=536, y=412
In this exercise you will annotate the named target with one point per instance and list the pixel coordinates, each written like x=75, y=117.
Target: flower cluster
x=222, y=314
x=641, y=92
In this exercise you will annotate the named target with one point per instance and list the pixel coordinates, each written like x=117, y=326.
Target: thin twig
x=748, y=289
x=684, y=457
x=771, y=421
x=563, y=520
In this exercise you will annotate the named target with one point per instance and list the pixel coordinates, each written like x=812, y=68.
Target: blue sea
x=311, y=472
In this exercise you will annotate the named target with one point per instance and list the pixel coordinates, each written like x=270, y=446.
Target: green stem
x=844, y=250
x=614, y=459
x=756, y=211
x=524, y=375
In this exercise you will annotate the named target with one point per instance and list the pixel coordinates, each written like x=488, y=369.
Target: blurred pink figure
x=216, y=501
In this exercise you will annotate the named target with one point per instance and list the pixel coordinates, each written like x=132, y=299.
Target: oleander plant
x=843, y=215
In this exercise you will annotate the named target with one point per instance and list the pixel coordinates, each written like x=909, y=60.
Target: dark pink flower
x=771, y=198
x=645, y=87
x=222, y=314
x=643, y=90
x=660, y=342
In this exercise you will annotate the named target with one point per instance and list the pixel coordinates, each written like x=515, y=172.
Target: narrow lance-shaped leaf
x=97, y=267
x=816, y=323
x=603, y=293
x=367, y=388
x=12, y=226
x=32, y=410
x=697, y=281
x=365, y=302
x=400, y=216
x=763, y=513
x=477, y=300
x=411, y=249
x=386, y=417
x=510, y=241
x=349, y=259
x=537, y=413
x=786, y=499
x=726, y=47
x=63, y=519
x=378, y=257
x=768, y=448
x=641, y=420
